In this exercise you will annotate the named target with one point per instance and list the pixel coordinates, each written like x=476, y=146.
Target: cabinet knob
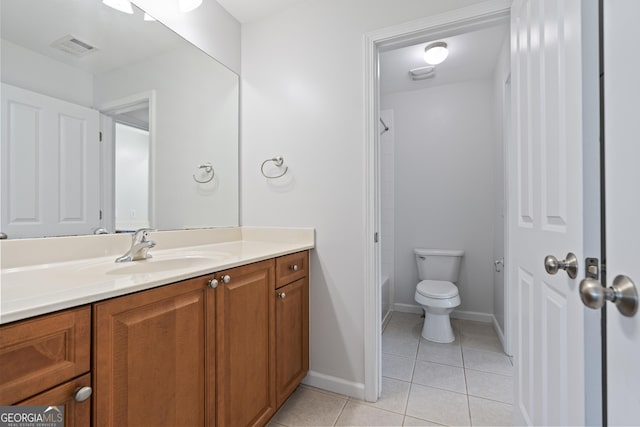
x=226, y=278
x=82, y=393
x=294, y=267
x=282, y=295
x=213, y=283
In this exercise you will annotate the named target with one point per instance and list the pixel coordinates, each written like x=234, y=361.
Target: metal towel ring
x=208, y=168
x=279, y=162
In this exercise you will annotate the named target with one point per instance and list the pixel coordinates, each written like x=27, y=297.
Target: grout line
x=340, y=414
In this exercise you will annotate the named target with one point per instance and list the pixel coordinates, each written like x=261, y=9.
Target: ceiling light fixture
x=188, y=5
x=121, y=5
x=435, y=53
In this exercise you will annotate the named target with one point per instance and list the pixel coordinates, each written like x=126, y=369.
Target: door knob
x=622, y=293
x=282, y=295
x=570, y=265
x=213, y=283
x=226, y=278
x=82, y=393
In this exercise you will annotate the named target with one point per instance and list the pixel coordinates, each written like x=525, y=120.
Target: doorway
x=441, y=26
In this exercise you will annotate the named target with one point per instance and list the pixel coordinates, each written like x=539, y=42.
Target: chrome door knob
x=82, y=393
x=622, y=293
x=282, y=295
x=226, y=278
x=294, y=267
x=570, y=265
x=213, y=283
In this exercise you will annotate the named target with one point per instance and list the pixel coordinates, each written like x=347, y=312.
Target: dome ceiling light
x=435, y=53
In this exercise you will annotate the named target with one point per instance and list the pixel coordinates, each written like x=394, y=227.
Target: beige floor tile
x=309, y=408
x=394, y=396
x=440, y=406
x=439, y=376
x=482, y=342
x=411, y=421
x=400, y=346
x=403, y=330
x=486, y=361
x=355, y=414
x=400, y=317
x=489, y=413
x=400, y=368
x=490, y=386
x=320, y=390
x=471, y=327
x=447, y=354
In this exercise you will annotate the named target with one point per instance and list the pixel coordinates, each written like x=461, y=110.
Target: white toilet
x=436, y=292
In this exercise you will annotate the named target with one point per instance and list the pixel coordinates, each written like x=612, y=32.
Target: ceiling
x=247, y=11
x=472, y=56
x=120, y=38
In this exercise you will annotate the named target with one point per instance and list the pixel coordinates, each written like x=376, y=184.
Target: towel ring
x=208, y=169
x=279, y=162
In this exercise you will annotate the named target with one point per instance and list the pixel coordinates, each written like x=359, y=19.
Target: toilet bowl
x=436, y=292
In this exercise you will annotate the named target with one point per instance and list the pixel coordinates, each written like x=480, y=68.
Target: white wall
x=210, y=27
x=132, y=178
x=303, y=97
x=502, y=71
x=387, y=209
x=444, y=160
x=196, y=121
x=38, y=73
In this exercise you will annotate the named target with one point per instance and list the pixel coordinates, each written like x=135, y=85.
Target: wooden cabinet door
x=76, y=414
x=153, y=362
x=292, y=337
x=246, y=345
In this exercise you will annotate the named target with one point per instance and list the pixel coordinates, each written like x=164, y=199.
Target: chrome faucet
x=139, y=246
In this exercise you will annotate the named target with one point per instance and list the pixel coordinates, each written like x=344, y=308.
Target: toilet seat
x=437, y=289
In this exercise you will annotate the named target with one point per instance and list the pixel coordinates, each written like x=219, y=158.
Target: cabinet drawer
x=291, y=267
x=41, y=353
x=76, y=414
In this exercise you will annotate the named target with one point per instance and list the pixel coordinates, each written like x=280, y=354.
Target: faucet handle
x=142, y=234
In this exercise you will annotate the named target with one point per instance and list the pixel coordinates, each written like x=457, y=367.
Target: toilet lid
x=437, y=289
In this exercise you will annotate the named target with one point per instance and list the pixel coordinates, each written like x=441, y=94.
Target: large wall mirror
x=111, y=122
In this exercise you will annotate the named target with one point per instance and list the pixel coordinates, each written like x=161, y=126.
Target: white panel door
x=622, y=177
x=546, y=213
x=50, y=166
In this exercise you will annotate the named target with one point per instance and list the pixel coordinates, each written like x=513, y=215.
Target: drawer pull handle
x=294, y=267
x=282, y=295
x=226, y=278
x=213, y=283
x=82, y=393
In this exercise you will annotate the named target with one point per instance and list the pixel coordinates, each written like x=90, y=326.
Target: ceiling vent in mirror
x=422, y=73
x=74, y=46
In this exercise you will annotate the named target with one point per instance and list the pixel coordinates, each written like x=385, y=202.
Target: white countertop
x=35, y=288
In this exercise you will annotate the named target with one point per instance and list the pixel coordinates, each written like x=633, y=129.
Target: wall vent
x=73, y=46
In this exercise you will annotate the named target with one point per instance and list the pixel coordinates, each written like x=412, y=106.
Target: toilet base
x=437, y=327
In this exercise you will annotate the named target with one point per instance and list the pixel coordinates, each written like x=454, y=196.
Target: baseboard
x=472, y=315
x=386, y=319
x=408, y=308
x=334, y=384
x=496, y=327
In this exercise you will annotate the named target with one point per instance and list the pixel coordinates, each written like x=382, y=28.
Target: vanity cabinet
x=46, y=360
x=154, y=357
x=292, y=323
x=224, y=349
x=245, y=338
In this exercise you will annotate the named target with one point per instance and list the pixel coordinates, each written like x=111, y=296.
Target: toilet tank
x=438, y=264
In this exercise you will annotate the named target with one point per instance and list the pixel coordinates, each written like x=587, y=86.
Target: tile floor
x=467, y=382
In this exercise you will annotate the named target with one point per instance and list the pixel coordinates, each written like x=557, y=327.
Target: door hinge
x=99, y=136
x=375, y=237
x=592, y=270
x=100, y=214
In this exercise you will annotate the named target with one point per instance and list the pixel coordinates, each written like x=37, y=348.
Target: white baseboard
x=386, y=319
x=408, y=308
x=496, y=327
x=472, y=315
x=334, y=384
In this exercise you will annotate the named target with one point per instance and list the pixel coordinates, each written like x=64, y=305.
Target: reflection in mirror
x=77, y=72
